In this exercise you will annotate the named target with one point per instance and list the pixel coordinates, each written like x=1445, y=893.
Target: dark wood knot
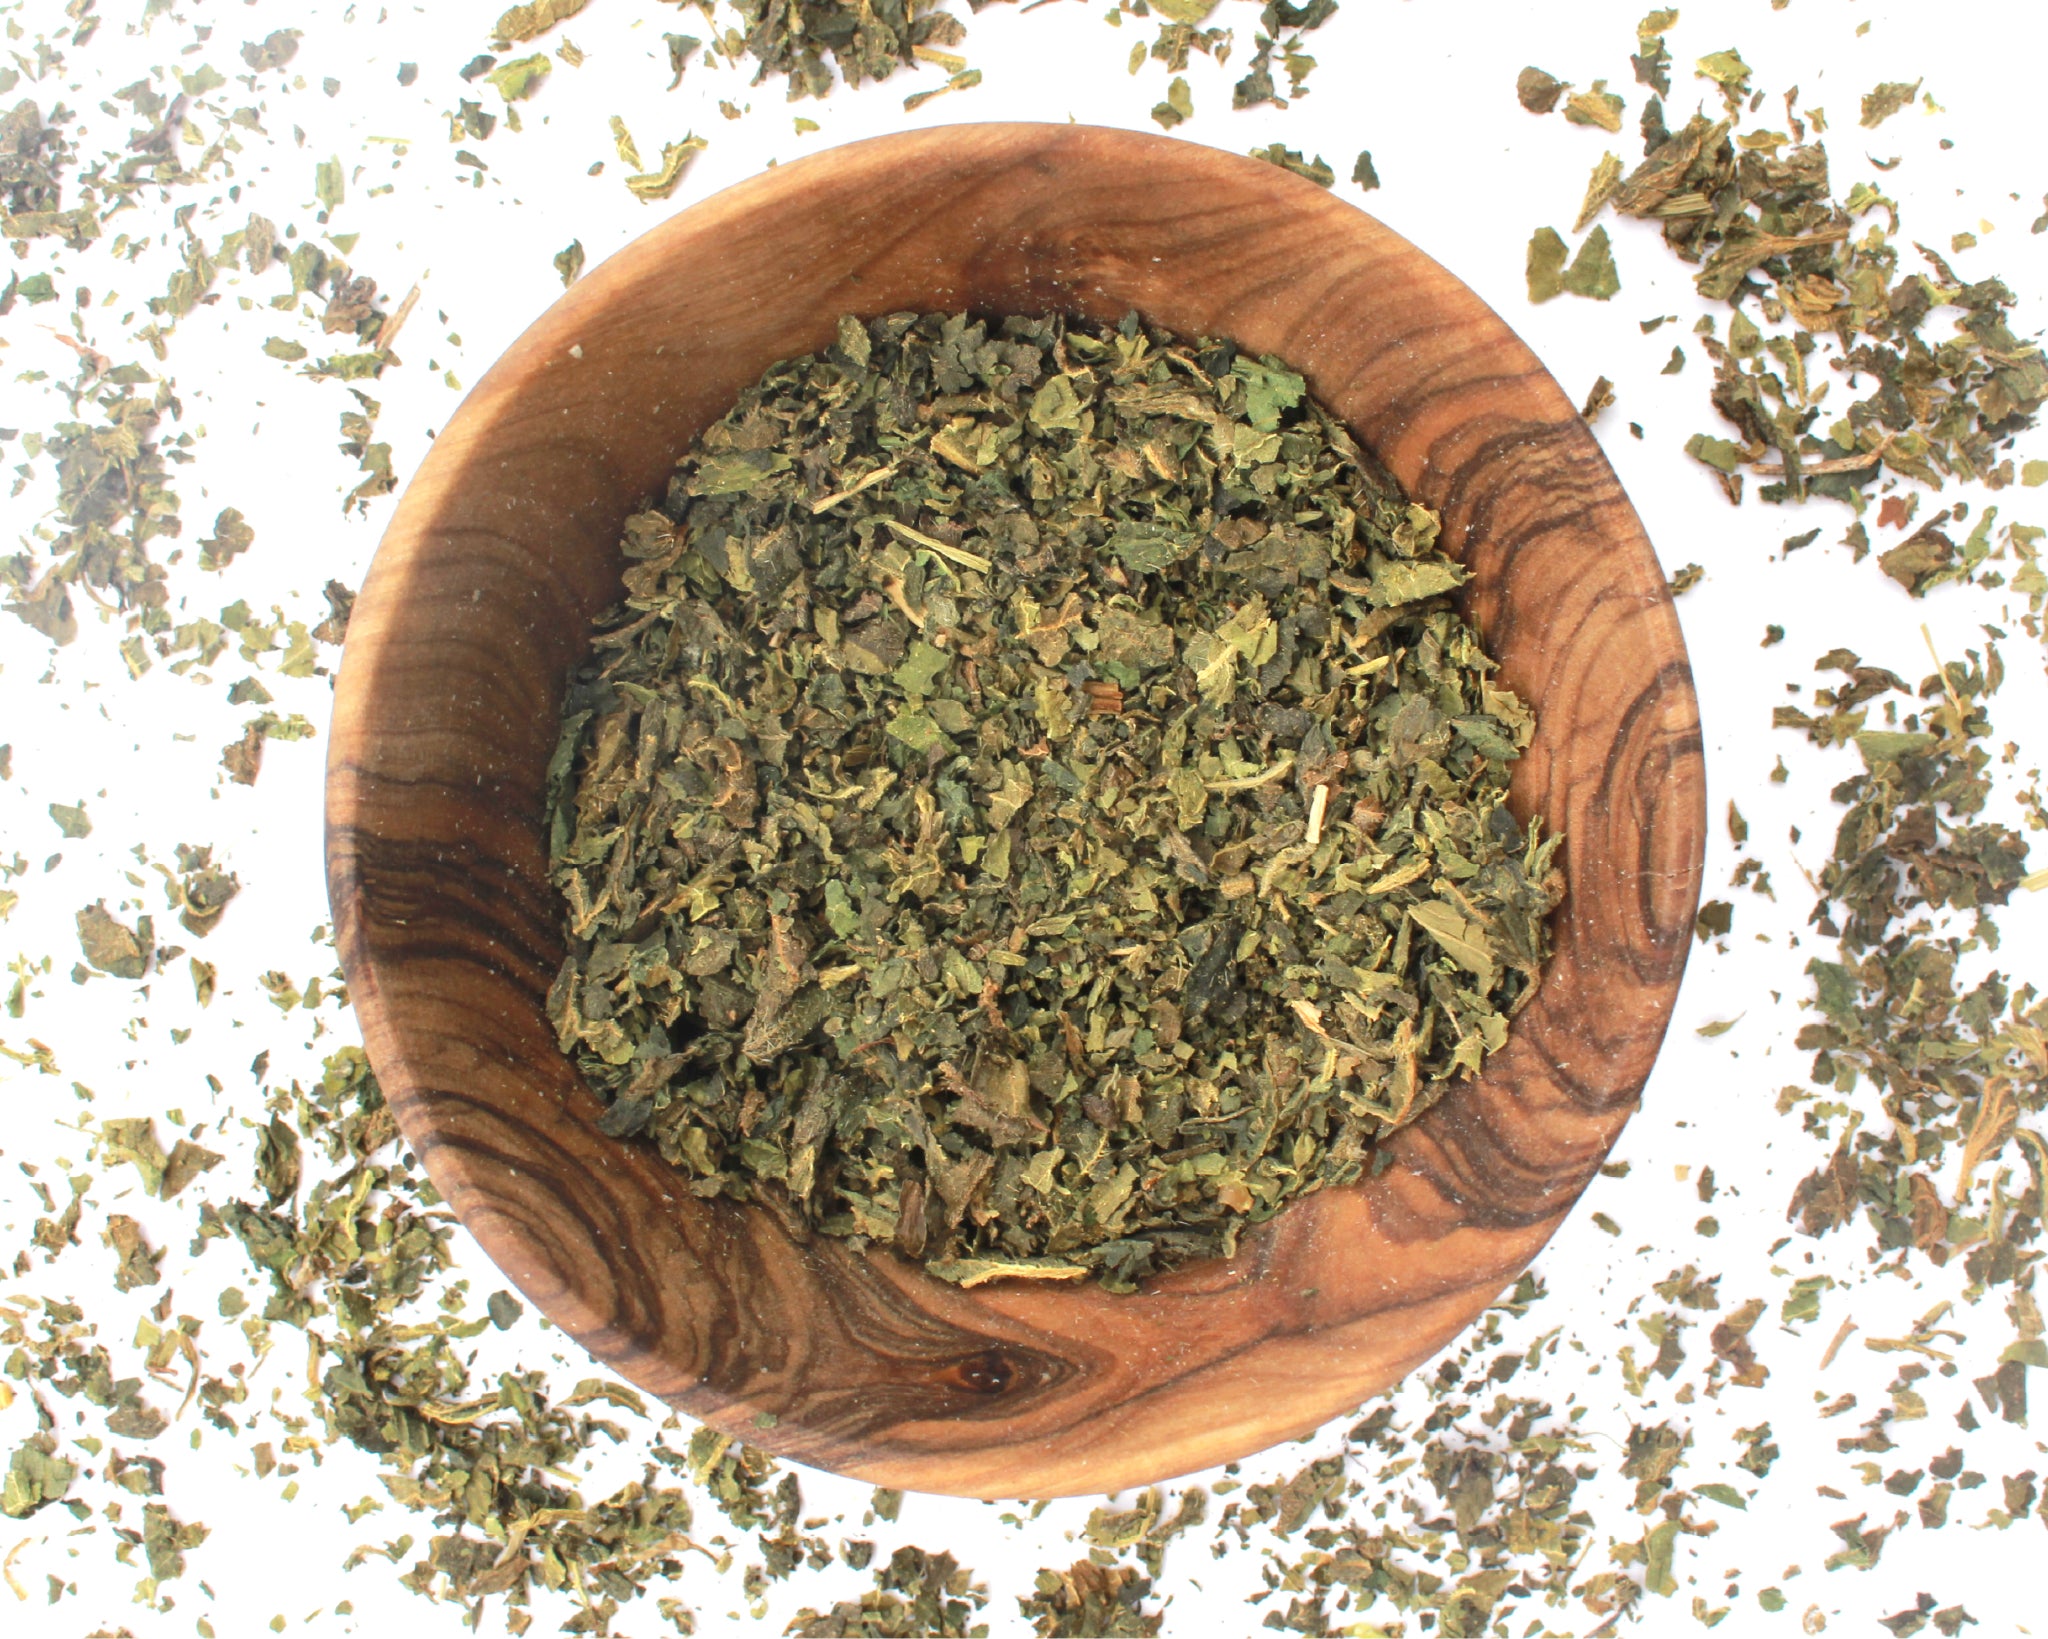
x=987, y=1372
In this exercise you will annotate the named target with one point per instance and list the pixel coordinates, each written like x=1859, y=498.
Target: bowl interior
x=477, y=606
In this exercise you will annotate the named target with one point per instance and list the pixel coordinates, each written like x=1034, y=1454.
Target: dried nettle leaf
x=529, y=22
x=1537, y=91
x=1824, y=299
x=1036, y=805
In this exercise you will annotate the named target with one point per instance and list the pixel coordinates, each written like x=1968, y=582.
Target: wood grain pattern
x=476, y=607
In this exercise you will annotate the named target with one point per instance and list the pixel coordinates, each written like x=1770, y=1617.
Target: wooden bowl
x=478, y=605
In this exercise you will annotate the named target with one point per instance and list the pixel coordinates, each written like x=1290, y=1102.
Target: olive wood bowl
x=479, y=603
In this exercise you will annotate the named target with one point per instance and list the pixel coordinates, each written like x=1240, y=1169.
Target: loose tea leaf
x=915, y=1593
x=528, y=22
x=36, y=1476
x=111, y=945
x=1599, y=106
x=1316, y=170
x=1827, y=280
x=660, y=182
x=1879, y=105
x=274, y=51
x=866, y=42
x=1179, y=105
x=71, y=819
x=1537, y=91
x=1593, y=272
x=520, y=78
x=1036, y=806
x=1547, y=255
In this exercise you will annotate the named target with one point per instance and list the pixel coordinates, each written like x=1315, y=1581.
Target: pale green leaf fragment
x=736, y=472
x=1268, y=390
x=1179, y=105
x=1593, y=272
x=660, y=182
x=1717, y=453
x=839, y=911
x=1053, y=701
x=1598, y=106
x=1395, y=582
x=1546, y=259
x=1463, y=941
x=1213, y=660
x=528, y=22
x=913, y=727
x=111, y=945
x=569, y=263
x=1484, y=736
x=1040, y=1172
x=328, y=185
x=1658, y=1549
x=1148, y=549
x=1889, y=745
x=622, y=141
x=1724, y=68
x=35, y=1476
x=71, y=819
x=521, y=77
x=1886, y=100
x=1251, y=632
x=1056, y=407
x=1600, y=188
x=921, y=669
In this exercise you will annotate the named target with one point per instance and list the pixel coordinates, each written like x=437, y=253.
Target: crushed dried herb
x=1036, y=804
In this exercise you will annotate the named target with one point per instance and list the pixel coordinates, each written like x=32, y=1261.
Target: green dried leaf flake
x=71, y=819
x=36, y=1476
x=663, y=179
x=329, y=183
x=520, y=78
x=111, y=945
x=528, y=22
x=274, y=50
x=1546, y=261
x=1396, y=581
x=1537, y=91
x=1596, y=107
x=1592, y=272
x=1886, y=100
x=1726, y=69
x=1315, y=170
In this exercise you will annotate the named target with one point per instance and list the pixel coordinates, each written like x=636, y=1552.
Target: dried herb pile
x=1625, y=1449
x=1836, y=303
x=1036, y=804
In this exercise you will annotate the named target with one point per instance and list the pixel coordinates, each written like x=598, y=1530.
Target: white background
x=1429, y=89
